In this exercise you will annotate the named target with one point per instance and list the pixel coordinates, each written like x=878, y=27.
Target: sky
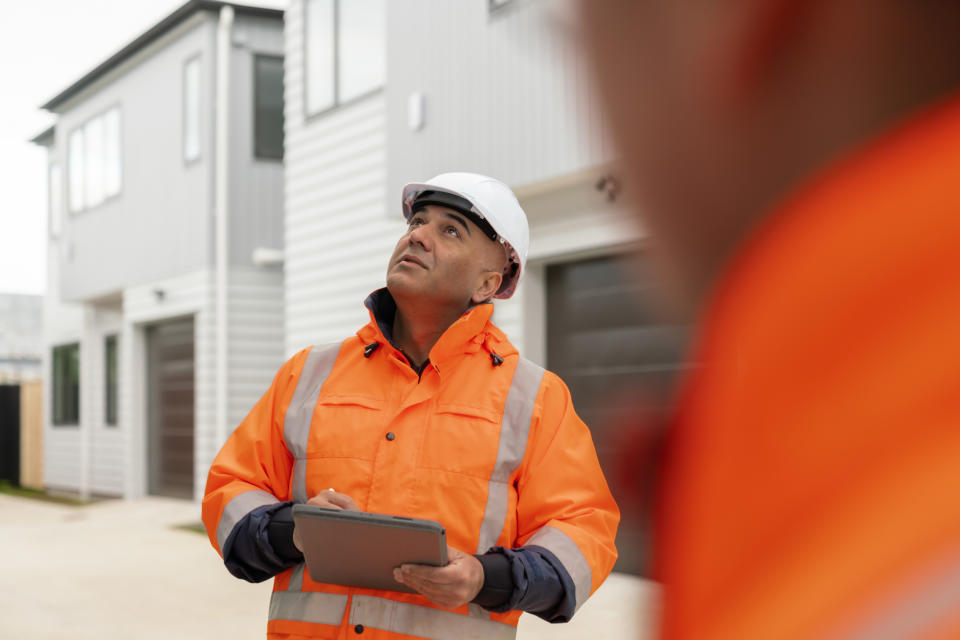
x=45, y=45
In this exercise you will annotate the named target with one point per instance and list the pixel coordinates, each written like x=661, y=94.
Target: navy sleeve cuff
x=280, y=534
x=538, y=583
x=497, y=581
x=249, y=552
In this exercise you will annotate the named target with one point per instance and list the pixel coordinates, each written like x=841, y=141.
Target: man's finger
x=440, y=596
x=342, y=500
x=427, y=573
x=334, y=500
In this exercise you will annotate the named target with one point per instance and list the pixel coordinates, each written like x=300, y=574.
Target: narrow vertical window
x=268, y=107
x=361, y=47
x=66, y=385
x=112, y=156
x=75, y=170
x=110, y=380
x=191, y=109
x=93, y=162
x=319, y=44
x=55, y=198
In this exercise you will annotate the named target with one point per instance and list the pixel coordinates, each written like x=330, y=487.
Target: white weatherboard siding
x=338, y=235
x=62, y=324
x=105, y=464
x=254, y=349
x=506, y=92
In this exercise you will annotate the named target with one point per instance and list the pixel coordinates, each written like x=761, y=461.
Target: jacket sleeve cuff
x=540, y=584
x=280, y=534
x=497, y=580
x=249, y=552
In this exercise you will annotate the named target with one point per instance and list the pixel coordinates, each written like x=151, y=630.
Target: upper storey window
x=344, y=49
x=93, y=161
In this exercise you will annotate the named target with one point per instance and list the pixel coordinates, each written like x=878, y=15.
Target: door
x=170, y=408
x=608, y=340
x=10, y=434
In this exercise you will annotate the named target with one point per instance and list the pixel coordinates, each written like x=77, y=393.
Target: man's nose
x=422, y=236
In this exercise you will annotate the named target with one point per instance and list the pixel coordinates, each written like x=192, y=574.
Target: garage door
x=608, y=340
x=170, y=408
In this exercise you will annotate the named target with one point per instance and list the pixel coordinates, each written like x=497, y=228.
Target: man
x=428, y=412
x=798, y=163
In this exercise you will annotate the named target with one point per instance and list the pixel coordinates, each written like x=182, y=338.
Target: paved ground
x=120, y=569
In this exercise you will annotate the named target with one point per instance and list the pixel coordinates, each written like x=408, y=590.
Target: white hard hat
x=491, y=201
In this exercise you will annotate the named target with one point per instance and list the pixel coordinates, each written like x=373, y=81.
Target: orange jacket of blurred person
x=813, y=488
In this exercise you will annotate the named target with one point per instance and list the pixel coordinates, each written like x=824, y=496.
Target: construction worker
x=797, y=163
x=429, y=412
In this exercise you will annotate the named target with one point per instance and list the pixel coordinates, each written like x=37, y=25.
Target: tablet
x=359, y=549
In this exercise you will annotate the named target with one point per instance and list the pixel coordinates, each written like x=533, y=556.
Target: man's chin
x=404, y=285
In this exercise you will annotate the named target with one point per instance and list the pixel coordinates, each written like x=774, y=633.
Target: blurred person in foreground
x=798, y=166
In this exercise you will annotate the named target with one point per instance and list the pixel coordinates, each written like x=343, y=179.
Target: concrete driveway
x=121, y=569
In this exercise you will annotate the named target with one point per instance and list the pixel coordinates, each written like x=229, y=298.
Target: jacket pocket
x=346, y=426
x=462, y=439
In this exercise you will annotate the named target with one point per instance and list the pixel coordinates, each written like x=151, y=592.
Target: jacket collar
x=468, y=334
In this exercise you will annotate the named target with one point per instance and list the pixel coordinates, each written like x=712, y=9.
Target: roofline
x=150, y=35
x=45, y=137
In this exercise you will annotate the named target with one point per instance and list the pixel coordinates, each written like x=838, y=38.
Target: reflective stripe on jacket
x=494, y=452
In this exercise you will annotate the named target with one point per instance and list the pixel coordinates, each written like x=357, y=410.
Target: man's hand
x=451, y=586
x=331, y=500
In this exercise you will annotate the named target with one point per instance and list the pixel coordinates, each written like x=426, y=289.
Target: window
x=110, y=380
x=94, y=162
x=345, y=50
x=268, y=107
x=55, y=198
x=66, y=385
x=75, y=164
x=191, y=109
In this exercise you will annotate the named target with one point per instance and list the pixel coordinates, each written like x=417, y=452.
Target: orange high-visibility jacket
x=495, y=452
x=813, y=483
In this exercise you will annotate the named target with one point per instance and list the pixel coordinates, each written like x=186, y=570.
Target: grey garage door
x=608, y=339
x=170, y=408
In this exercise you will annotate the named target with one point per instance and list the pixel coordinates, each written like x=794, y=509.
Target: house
x=378, y=94
x=163, y=322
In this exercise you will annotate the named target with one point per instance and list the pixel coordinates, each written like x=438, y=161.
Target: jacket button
x=358, y=628
x=390, y=435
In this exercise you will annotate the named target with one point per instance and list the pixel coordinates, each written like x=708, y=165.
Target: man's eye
x=416, y=222
x=453, y=231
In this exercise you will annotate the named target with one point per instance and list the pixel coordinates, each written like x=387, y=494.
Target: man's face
x=443, y=258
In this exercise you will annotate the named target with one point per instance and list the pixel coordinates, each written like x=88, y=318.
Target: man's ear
x=487, y=286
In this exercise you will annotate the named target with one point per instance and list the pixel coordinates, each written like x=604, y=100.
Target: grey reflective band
x=308, y=606
x=931, y=601
x=296, y=578
x=298, y=480
x=424, y=622
x=299, y=416
x=239, y=506
x=568, y=553
x=514, y=430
